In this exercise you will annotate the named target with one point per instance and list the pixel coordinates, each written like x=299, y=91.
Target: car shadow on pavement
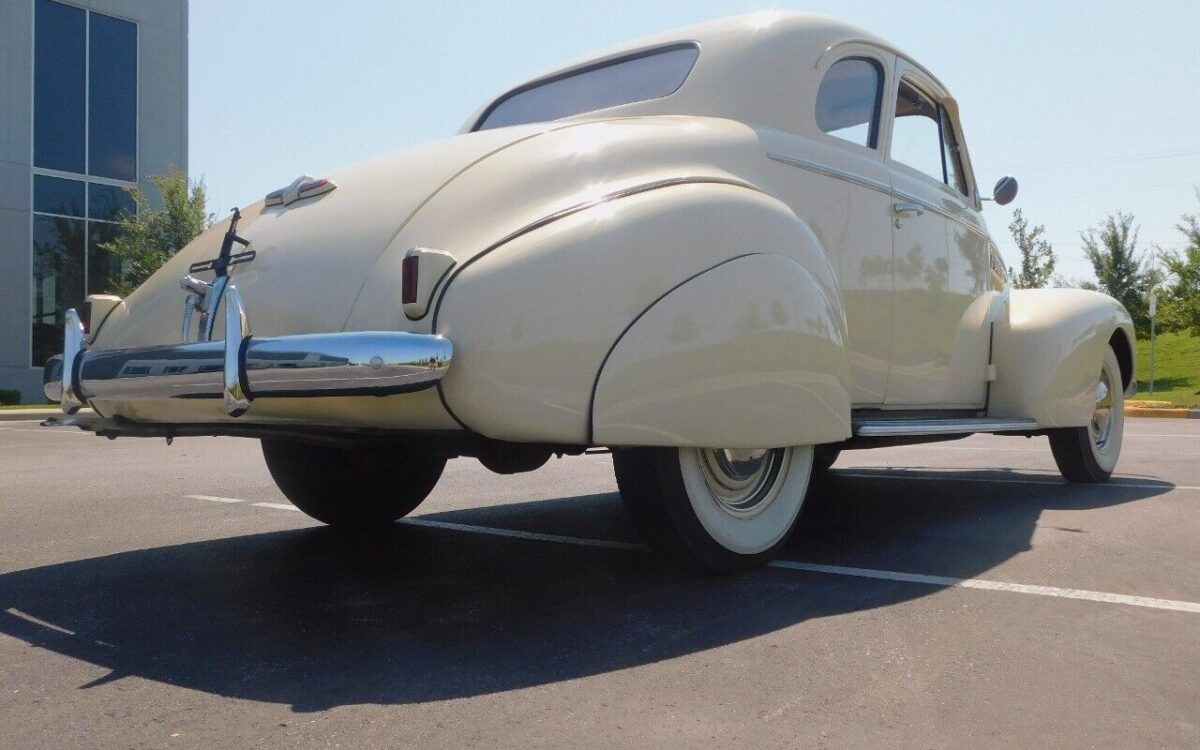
x=315, y=619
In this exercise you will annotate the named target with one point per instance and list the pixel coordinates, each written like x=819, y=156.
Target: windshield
x=631, y=79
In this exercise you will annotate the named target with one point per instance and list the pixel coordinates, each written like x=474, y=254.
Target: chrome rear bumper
x=244, y=367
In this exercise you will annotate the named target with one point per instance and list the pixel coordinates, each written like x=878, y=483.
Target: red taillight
x=85, y=315
x=408, y=284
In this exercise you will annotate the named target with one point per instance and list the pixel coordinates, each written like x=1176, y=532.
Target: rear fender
x=748, y=354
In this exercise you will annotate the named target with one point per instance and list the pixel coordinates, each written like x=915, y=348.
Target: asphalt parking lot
x=947, y=595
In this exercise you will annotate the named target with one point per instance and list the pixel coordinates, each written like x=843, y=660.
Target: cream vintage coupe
x=726, y=252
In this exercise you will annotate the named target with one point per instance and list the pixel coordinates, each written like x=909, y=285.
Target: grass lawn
x=6, y=407
x=1176, y=369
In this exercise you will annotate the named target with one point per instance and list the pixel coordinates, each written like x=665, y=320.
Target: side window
x=848, y=101
x=916, y=134
x=954, y=171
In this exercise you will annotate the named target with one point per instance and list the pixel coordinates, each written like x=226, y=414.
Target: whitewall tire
x=717, y=510
x=1089, y=454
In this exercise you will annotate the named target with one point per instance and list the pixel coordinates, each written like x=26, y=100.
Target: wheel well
x=1120, y=346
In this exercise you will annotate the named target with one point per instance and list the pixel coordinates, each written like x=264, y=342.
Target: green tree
x=1037, y=256
x=1112, y=249
x=152, y=235
x=1179, y=301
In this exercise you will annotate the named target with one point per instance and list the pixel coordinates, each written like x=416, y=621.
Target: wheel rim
x=740, y=480
x=1100, y=428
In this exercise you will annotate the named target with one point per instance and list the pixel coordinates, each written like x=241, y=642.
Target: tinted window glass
x=954, y=172
x=57, y=280
x=622, y=82
x=112, y=98
x=54, y=195
x=848, y=101
x=916, y=136
x=58, y=87
x=107, y=202
x=102, y=267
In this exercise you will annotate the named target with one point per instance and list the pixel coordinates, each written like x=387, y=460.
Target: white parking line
x=978, y=583
x=277, y=506
x=515, y=534
x=890, y=575
x=215, y=499
x=949, y=477
x=30, y=618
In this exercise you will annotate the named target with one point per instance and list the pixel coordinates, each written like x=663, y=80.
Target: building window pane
x=57, y=280
x=102, y=267
x=54, y=195
x=108, y=202
x=58, y=87
x=112, y=98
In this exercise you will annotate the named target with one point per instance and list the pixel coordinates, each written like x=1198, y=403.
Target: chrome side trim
x=837, y=174
x=897, y=427
x=943, y=213
x=854, y=179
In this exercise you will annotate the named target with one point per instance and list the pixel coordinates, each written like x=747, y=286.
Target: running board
x=900, y=427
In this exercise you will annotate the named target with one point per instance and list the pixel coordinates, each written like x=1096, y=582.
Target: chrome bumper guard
x=243, y=367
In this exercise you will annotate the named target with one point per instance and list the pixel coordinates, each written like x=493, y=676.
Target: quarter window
x=848, y=101
x=633, y=79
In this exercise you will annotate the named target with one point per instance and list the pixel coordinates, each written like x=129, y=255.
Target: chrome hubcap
x=1101, y=424
x=740, y=479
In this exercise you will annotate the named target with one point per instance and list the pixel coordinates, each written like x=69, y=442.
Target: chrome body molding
x=897, y=427
x=854, y=179
x=245, y=367
x=837, y=174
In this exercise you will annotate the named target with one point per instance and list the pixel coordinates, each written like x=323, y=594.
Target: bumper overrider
x=243, y=368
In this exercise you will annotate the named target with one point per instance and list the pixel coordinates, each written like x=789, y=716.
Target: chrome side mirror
x=1005, y=191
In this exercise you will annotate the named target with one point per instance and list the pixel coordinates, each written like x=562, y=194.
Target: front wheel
x=715, y=510
x=355, y=488
x=1089, y=454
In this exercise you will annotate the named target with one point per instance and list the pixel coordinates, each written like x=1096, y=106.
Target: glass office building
x=96, y=92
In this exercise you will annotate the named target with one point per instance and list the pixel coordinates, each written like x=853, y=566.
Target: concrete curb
x=34, y=413
x=1141, y=411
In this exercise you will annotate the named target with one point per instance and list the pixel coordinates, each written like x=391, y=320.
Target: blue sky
x=1093, y=106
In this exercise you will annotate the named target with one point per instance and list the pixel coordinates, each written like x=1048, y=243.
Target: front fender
x=750, y=353
x=1048, y=347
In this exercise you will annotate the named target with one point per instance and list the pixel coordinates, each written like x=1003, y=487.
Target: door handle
x=907, y=209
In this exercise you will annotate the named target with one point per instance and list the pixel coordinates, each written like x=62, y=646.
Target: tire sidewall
x=757, y=536
x=1106, y=457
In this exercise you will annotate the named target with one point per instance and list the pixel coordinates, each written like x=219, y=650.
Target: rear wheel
x=355, y=488
x=716, y=510
x=1089, y=454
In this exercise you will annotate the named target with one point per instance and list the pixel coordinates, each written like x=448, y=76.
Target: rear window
x=650, y=75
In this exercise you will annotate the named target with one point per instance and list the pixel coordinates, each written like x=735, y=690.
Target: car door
x=940, y=271
x=830, y=169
